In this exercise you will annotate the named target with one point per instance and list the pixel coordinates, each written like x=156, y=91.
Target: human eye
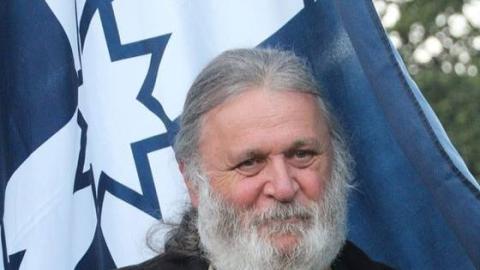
x=302, y=157
x=250, y=166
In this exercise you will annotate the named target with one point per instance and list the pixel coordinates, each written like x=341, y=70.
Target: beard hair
x=232, y=239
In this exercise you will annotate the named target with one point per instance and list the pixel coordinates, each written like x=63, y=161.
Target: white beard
x=231, y=238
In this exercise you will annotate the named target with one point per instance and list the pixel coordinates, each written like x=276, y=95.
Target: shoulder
x=167, y=261
x=352, y=257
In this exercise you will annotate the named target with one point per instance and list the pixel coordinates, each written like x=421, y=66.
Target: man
x=266, y=170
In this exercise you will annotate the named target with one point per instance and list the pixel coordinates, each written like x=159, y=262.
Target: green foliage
x=456, y=99
x=423, y=12
x=447, y=78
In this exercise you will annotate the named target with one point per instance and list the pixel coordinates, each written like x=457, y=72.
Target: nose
x=282, y=186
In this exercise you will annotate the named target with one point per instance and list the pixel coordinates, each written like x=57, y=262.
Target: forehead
x=263, y=118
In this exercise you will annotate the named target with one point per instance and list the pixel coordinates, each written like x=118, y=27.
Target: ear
x=191, y=187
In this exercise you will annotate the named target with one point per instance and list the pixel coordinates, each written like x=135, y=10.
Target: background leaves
x=440, y=43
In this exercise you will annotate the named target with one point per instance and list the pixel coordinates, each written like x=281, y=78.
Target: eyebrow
x=299, y=143
x=251, y=153
x=312, y=142
x=234, y=160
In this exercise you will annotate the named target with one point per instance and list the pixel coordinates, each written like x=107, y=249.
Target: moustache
x=285, y=216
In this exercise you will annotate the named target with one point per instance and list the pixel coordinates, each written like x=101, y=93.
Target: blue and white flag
x=90, y=91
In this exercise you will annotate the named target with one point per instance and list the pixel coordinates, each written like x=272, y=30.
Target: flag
x=91, y=91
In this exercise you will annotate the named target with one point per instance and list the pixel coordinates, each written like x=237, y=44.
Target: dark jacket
x=350, y=258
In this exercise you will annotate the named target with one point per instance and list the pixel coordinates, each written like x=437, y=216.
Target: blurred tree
x=440, y=43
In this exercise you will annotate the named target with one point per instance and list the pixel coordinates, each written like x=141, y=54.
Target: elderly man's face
x=264, y=147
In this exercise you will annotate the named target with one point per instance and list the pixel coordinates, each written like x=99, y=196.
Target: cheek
x=238, y=190
x=312, y=184
x=312, y=181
